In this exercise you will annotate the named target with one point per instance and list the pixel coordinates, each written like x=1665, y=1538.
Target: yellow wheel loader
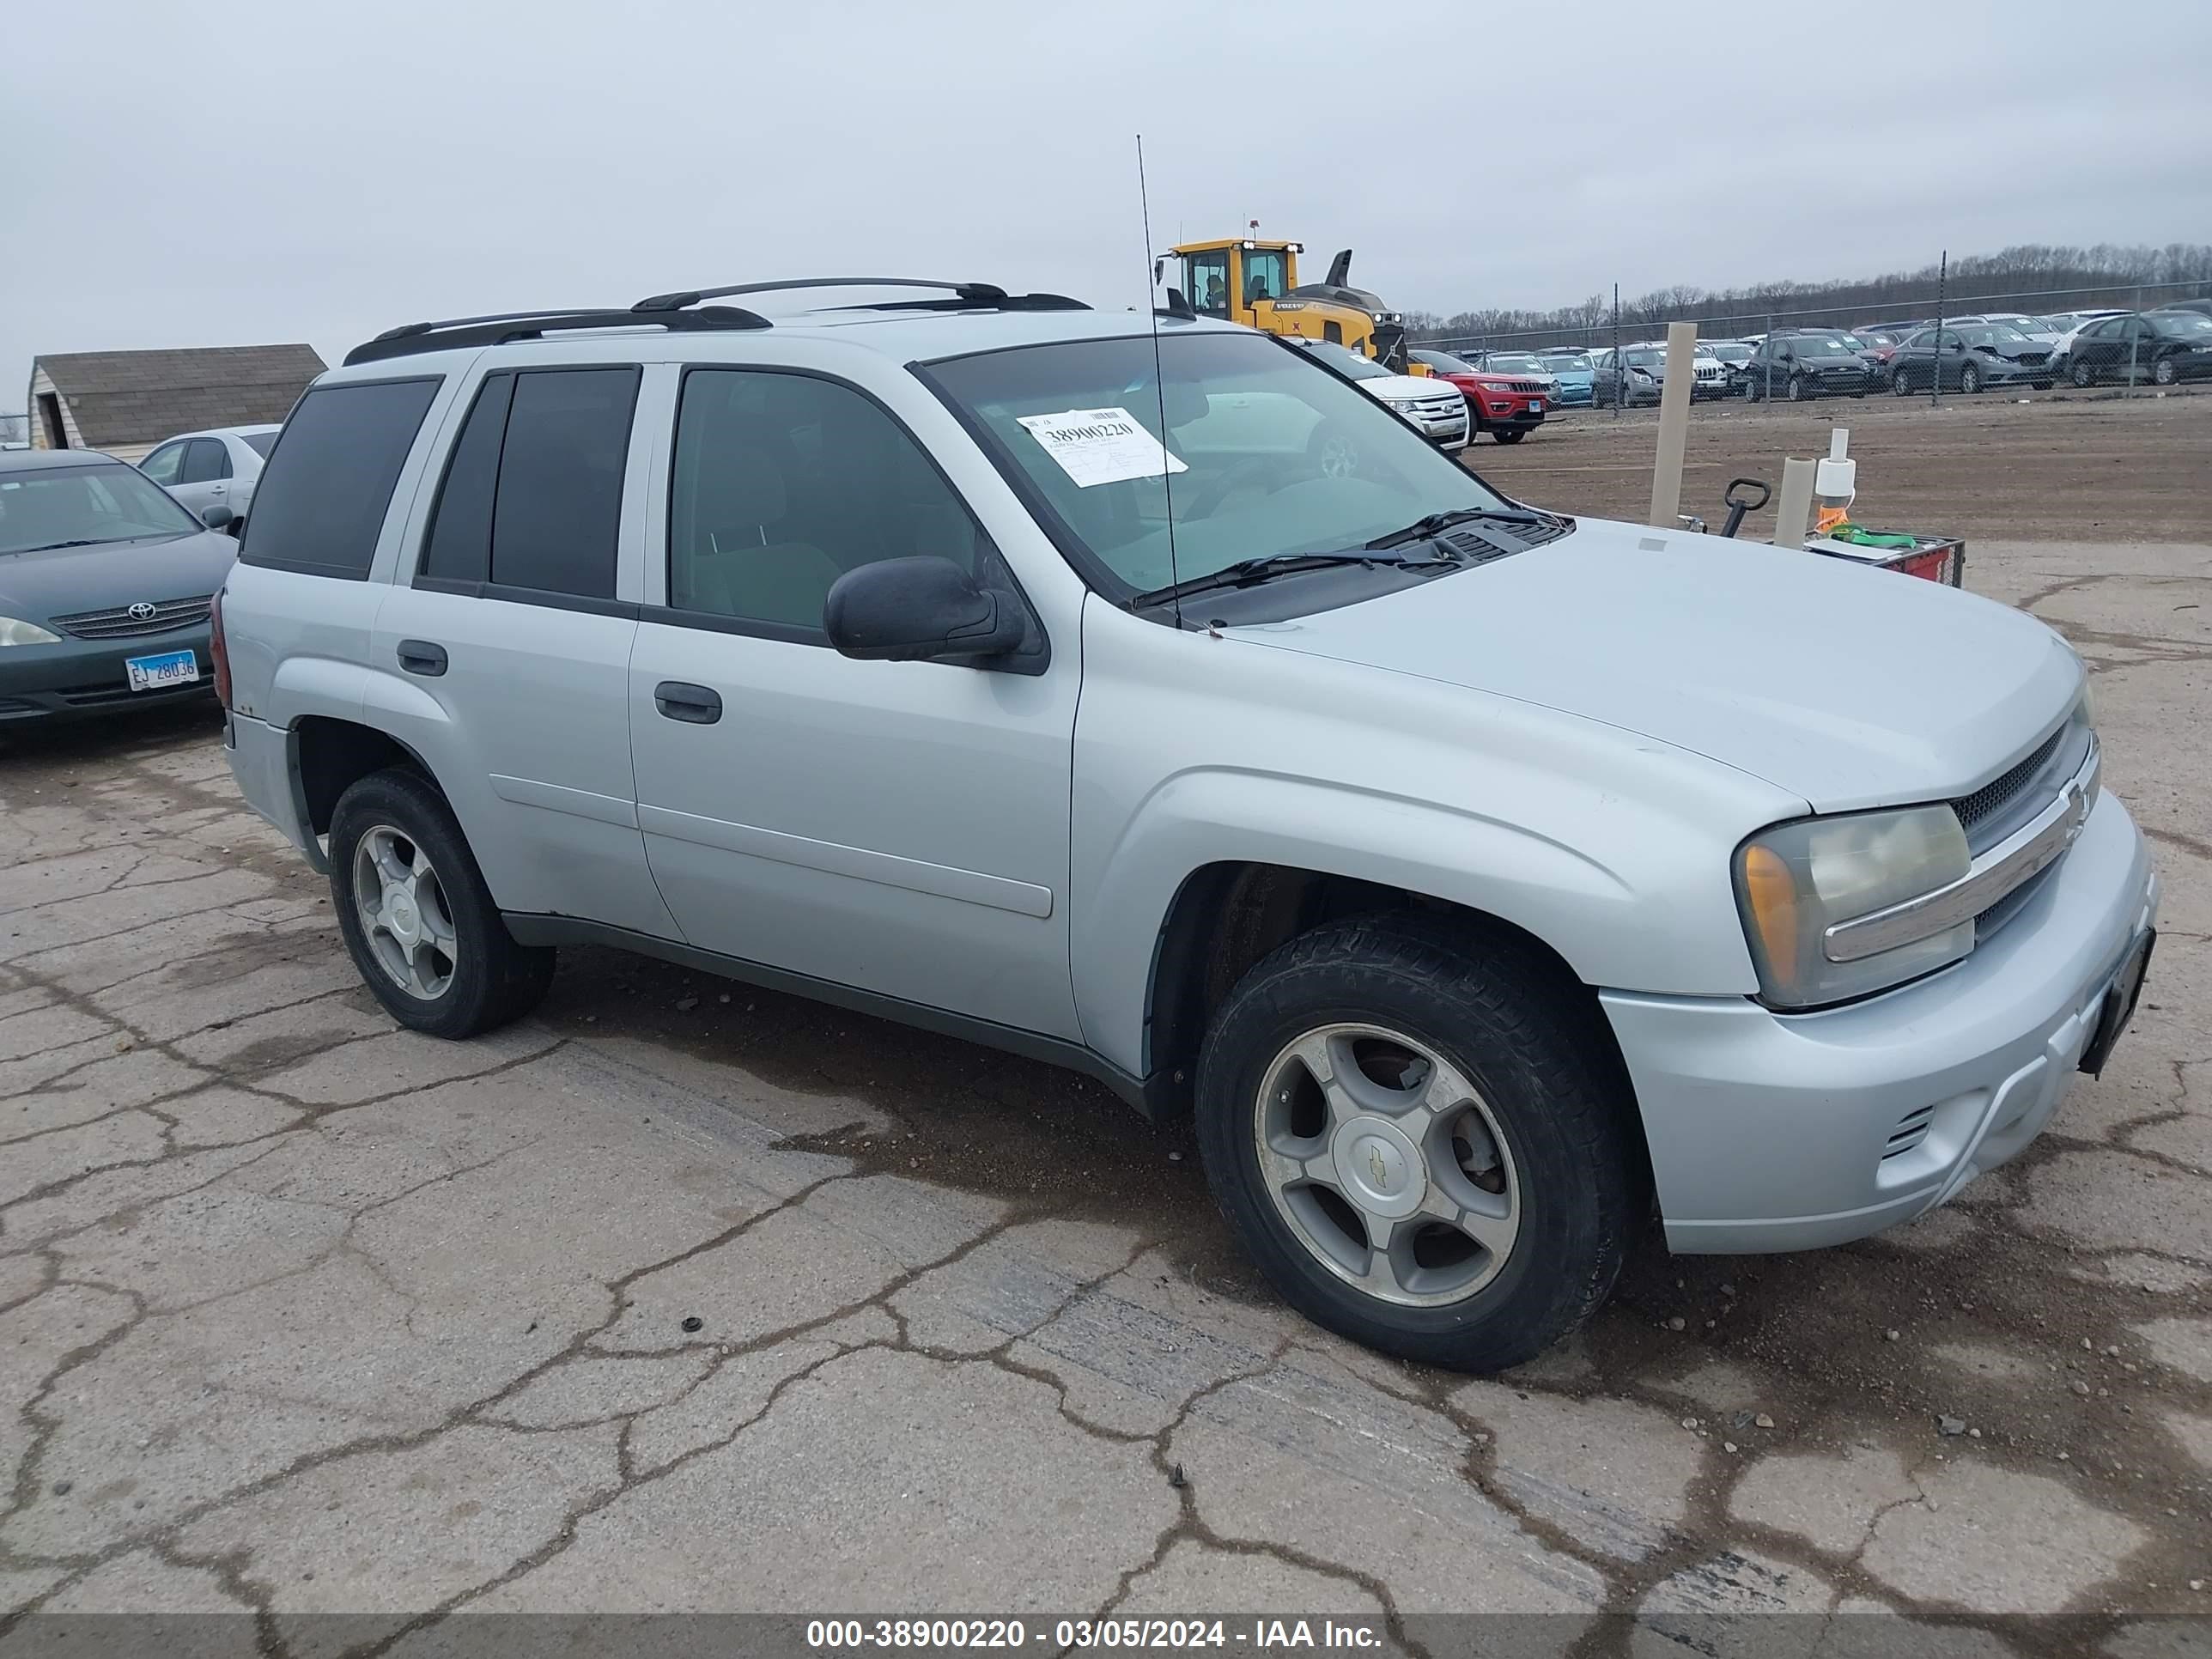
x=1244, y=280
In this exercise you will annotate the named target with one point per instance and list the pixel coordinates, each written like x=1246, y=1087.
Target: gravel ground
x=300, y=1315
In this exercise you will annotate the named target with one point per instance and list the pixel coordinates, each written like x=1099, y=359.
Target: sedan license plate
x=161, y=673
x=2119, y=1006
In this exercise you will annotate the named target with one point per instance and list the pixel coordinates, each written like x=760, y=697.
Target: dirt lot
x=2061, y=466
x=300, y=1315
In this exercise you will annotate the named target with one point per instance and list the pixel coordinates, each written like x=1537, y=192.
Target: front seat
x=735, y=567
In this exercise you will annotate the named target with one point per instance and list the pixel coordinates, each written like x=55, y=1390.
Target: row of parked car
x=1969, y=354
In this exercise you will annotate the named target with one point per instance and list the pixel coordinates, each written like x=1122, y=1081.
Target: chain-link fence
x=1941, y=343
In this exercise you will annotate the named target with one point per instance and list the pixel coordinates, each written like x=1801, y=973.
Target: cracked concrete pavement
x=301, y=1315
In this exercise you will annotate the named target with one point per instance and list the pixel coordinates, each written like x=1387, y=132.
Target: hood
x=1397, y=388
x=63, y=581
x=1847, y=686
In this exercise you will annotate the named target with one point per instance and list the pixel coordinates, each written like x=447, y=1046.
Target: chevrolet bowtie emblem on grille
x=142, y=612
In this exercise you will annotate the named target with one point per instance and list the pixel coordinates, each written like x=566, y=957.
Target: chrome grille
x=1993, y=797
x=118, y=624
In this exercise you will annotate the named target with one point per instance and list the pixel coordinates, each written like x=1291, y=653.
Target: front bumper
x=80, y=678
x=1771, y=1132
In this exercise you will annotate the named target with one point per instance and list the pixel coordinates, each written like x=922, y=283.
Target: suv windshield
x=1515, y=363
x=1266, y=455
x=84, y=506
x=1444, y=362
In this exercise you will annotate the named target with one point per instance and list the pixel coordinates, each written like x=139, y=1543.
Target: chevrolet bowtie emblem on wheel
x=1382, y=1170
x=142, y=612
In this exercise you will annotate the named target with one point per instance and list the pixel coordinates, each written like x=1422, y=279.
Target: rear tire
x=1474, y=1086
x=417, y=919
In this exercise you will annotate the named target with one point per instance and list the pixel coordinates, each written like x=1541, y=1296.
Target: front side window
x=83, y=506
x=1245, y=452
x=163, y=464
x=783, y=483
x=321, y=501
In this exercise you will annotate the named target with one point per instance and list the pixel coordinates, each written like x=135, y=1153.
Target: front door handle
x=421, y=657
x=678, y=700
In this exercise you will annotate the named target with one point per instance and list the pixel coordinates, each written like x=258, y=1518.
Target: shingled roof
x=124, y=397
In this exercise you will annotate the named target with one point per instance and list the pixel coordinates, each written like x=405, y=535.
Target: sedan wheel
x=1798, y=391
x=1898, y=384
x=2083, y=376
x=2162, y=371
x=1970, y=380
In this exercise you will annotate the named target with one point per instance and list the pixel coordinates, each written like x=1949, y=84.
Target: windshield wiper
x=82, y=541
x=1421, y=529
x=1246, y=572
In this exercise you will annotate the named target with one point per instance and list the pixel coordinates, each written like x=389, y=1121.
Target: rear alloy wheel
x=1970, y=380
x=1410, y=1130
x=2082, y=375
x=417, y=919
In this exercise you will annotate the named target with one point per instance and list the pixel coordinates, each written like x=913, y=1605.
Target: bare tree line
x=2076, y=278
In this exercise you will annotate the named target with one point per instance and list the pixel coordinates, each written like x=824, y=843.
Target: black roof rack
x=500, y=328
x=960, y=296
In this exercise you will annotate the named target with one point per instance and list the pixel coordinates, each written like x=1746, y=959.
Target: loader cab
x=1244, y=280
x=1231, y=279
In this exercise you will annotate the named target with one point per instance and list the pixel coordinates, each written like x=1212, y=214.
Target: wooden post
x=1674, y=424
x=1794, y=507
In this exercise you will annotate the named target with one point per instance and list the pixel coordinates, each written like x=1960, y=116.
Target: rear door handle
x=421, y=657
x=678, y=700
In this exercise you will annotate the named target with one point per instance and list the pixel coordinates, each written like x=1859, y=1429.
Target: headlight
x=13, y=632
x=1796, y=881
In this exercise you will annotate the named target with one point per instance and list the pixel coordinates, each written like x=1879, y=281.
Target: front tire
x=1970, y=380
x=1898, y=386
x=1416, y=1136
x=417, y=919
x=1797, y=389
x=2163, y=372
x=1509, y=434
x=2083, y=376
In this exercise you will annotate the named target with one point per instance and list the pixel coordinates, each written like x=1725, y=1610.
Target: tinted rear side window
x=459, y=545
x=320, y=504
x=557, y=506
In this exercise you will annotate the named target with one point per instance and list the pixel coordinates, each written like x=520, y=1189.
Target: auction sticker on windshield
x=1101, y=446
x=158, y=673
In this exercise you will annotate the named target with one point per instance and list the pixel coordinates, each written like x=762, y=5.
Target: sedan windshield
x=2181, y=325
x=1266, y=455
x=1574, y=363
x=83, y=505
x=1822, y=345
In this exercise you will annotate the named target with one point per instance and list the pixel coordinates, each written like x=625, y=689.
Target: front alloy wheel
x=1386, y=1165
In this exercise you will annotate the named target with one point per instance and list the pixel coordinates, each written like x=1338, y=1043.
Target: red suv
x=1508, y=407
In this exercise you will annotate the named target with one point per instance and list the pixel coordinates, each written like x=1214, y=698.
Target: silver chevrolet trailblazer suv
x=1136, y=693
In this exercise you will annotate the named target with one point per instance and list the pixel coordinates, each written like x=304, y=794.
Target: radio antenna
x=1159, y=380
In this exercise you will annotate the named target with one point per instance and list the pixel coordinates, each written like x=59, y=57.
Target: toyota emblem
x=142, y=612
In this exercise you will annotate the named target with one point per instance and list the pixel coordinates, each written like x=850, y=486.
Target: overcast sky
x=183, y=175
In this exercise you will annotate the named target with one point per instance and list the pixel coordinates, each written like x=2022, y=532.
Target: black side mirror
x=216, y=518
x=919, y=609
